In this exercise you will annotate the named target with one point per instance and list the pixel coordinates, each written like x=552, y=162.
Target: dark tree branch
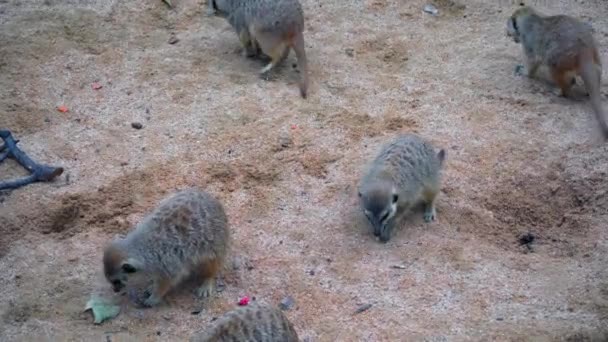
x=39, y=172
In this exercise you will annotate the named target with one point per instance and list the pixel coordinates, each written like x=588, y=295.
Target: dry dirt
x=520, y=160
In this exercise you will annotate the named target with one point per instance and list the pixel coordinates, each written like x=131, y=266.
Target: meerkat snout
x=380, y=205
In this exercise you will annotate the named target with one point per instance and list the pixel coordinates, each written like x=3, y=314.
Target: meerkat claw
x=430, y=214
x=151, y=301
x=205, y=290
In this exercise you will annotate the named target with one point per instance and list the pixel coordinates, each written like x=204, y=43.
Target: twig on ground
x=39, y=172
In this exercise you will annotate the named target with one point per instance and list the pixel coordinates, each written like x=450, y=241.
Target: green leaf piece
x=102, y=309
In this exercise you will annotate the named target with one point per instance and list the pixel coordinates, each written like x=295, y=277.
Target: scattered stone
x=196, y=311
x=287, y=303
x=430, y=9
x=399, y=267
x=137, y=125
x=285, y=140
x=173, y=40
x=239, y=262
x=349, y=52
x=312, y=272
x=363, y=308
x=526, y=239
x=500, y=319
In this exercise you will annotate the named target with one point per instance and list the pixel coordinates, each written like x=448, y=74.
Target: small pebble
x=363, y=308
x=196, y=311
x=220, y=285
x=287, y=303
x=285, y=140
x=526, y=239
x=173, y=40
x=431, y=9
x=137, y=125
x=312, y=272
x=400, y=267
x=349, y=52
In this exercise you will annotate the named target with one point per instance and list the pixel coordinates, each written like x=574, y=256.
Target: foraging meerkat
x=566, y=46
x=405, y=172
x=186, y=236
x=270, y=26
x=252, y=323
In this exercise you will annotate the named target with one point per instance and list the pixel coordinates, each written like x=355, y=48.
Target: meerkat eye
x=128, y=268
x=395, y=198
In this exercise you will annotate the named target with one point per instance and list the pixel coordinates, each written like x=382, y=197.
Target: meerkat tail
x=298, y=48
x=589, y=74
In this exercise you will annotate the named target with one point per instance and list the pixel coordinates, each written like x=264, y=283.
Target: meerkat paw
x=152, y=300
x=265, y=72
x=561, y=93
x=430, y=214
x=250, y=52
x=207, y=289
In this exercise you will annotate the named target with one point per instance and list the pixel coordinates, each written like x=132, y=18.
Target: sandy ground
x=520, y=160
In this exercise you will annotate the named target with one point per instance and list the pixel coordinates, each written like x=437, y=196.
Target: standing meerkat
x=252, y=323
x=405, y=172
x=566, y=46
x=270, y=26
x=186, y=236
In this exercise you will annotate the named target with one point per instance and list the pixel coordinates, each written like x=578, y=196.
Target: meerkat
x=405, y=173
x=252, y=323
x=564, y=44
x=269, y=26
x=185, y=237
